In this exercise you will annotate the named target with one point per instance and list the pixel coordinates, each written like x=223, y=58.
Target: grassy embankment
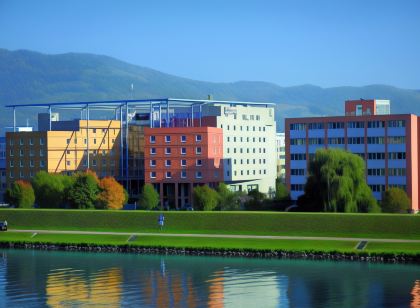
x=243, y=223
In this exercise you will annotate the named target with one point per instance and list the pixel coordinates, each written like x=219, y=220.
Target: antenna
x=132, y=91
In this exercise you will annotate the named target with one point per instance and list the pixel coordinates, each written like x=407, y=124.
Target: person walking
x=161, y=221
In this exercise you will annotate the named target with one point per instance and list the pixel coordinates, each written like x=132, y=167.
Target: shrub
x=83, y=193
x=395, y=200
x=20, y=194
x=149, y=198
x=205, y=198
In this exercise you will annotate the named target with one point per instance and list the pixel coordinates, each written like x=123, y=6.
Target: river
x=30, y=278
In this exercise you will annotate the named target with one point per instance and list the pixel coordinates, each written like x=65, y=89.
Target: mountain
x=32, y=77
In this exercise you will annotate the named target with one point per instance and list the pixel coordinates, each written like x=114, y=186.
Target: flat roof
x=174, y=102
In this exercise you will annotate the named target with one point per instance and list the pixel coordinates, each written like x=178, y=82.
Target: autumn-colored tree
x=20, y=194
x=112, y=195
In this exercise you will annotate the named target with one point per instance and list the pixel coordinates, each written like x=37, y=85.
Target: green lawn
x=221, y=243
x=256, y=223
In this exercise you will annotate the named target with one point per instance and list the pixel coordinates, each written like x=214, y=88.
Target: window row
x=168, y=138
x=183, y=151
x=297, y=187
x=248, y=150
x=183, y=174
x=377, y=188
x=183, y=162
x=247, y=161
x=352, y=124
x=397, y=172
x=248, y=139
x=376, y=172
x=298, y=156
x=41, y=163
x=95, y=141
x=248, y=172
x=31, y=141
x=246, y=128
x=297, y=171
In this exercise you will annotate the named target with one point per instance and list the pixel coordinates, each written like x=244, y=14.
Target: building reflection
x=415, y=293
x=69, y=287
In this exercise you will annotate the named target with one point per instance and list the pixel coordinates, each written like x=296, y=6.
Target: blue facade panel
x=298, y=164
x=297, y=149
x=355, y=132
x=375, y=163
x=297, y=179
x=313, y=147
x=372, y=148
x=396, y=131
x=296, y=194
x=356, y=148
x=398, y=180
x=331, y=133
x=397, y=163
x=297, y=134
x=397, y=148
x=371, y=180
x=316, y=133
x=373, y=132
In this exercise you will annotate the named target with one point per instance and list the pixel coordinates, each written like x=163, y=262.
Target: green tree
x=228, y=200
x=205, y=198
x=51, y=190
x=336, y=183
x=282, y=193
x=395, y=200
x=20, y=194
x=149, y=198
x=84, y=191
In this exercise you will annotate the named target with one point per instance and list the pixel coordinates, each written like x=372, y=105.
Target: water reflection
x=57, y=279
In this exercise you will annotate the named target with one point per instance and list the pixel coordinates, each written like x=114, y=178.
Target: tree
x=228, y=200
x=395, y=200
x=256, y=200
x=51, y=190
x=205, y=198
x=83, y=193
x=336, y=183
x=112, y=194
x=282, y=194
x=149, y=198
x=20, y=194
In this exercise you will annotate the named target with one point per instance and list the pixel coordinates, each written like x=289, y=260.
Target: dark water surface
x=42, y=278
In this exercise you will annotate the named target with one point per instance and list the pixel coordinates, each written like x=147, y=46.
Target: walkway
x=271, y=237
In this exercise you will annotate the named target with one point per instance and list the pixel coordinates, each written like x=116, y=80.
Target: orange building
x=93, y=146
x=179, y=158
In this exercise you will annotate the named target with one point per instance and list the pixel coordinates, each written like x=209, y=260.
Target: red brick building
x=178, y=158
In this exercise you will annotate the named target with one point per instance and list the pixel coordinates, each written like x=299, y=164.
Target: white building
x=249, y=145
x=281, y=155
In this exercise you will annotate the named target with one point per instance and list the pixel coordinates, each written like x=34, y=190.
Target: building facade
x=249, y=144
x=281, y=156
x=71, y=146
x=178, y=159
x=3, y=177
x=388, y=143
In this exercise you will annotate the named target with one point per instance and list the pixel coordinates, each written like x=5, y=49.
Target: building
x=179, y=158
x=249, y=143
x=3, y=178
x=68, y=147
x=281, y=156
x=237, y=142
x=388, y=143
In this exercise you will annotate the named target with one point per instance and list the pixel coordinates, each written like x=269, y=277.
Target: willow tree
x=336, y=183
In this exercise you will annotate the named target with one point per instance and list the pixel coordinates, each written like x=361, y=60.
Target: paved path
x=271, y=237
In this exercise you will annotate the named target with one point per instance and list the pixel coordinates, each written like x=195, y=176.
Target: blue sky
x=326, y=43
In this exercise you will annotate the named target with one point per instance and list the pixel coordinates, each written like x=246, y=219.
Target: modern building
x=3, y=177
x=68, y=147
x=249, y=143
x=236, y=140
x=281, y=156
x=388, y=143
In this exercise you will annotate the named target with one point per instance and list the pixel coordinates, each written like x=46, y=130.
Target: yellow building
x=71, y=146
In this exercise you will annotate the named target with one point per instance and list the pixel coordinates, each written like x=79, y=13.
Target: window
x=297, y=126
x=103, y=152
x=11, y=142
x=94, y=130
x=94, y=162
x=68, y=163
x=356, y=140
x=396, y=123
x=41, y=141
x=183, y=138
x=183, y=162
x=338, y=140
x=11, y=152
x=85, y=162
x=183, y=151
x=167, y=139
x=68, y=152
x=376, y=124
x=315, y=126
x=375, y=140
x=21, y=152
x=42, y=163
x=167, y=162
x=31, y=141
x=152, y=151
x=396, y=155
x=153, y=174
x=198, y=150
x=183, y=174
x=396, y=140
x=11, y=163
x=167, y=151
x=198, y=162
x=297, y=171
x=198, y=175
x=299, y=156
x=198, y=138
x=168, y=174
x=376, y=156
x=21, y=141
x=335, y=125
x=356, y=124
x=298, y=141
x=20, y=163
x=68, y=141
x=152, y=163
x=397, y=171
x=94, y=141
x=31, y=163
x=21, y=174
x=376, y=172
x=11, y=174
